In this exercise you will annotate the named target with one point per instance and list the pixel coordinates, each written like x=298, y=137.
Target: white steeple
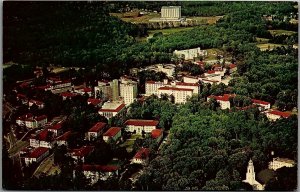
x=250, y=175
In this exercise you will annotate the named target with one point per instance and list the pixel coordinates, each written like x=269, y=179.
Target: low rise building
x=262, y=105
x=157, y=134
x=112, y=134
x=96, y=131
x=44, y=138
x=68, y=95
x=223, y=100
x=140, y=125
x=81, y=153
x=84, y=90
x=278, y=163
x=36, y=122
x=273, y=115
x=111, y=109
x=22, y=98
x=94, y=102
x=56, y=129
x=37, y=155
x=64, y=139
x=97, y=172
x=189, y=54
x=103, y=90
x=142, y=156
x=40, y=104
x=21, y=120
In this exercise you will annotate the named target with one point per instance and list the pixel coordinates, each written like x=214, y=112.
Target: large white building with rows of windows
x=171, y=12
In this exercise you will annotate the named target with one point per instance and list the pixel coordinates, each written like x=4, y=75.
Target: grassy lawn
x=212, y=53
x=266, y=46
x=18, y=146
x=262, y=40
x=281, y=32
x=209, y=20
x=129, y=142
x=135, y=19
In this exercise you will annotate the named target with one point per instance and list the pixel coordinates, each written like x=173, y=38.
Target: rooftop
x=94, y=101
x=174, y=89
x=97, y=127
x=56, y=126
x=102, y=168
x=112, y=107
x=141, y=122
x=143, y=153
x=111, y=132
x=155, y=133
x=83, y=151
x=38, y=152
x=285, y=160
x=65, y=136
x=280, y=113
x=225, y=97
x=68, y=94
x=260, y=102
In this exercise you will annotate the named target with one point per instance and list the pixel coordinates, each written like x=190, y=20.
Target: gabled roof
x=83, y=151
x=111, y=132
x=42, y=117
x=36, y=102
x=255, y=101
x=141, y=122
x=43, y=135
x=143, y=153
x=56, y=126
x=68, y=94
x=210, y=71
x=225, y=97
x=65, y=136
x=25, y=116
x=97, y=127
x=38, y=152
x=102, y=168
x=174, y=89
x=280, y=113
x=187, y=84
x=84, y=89
x=155, y=133
x=21, y=96
x=231, y=66
x=94, y=101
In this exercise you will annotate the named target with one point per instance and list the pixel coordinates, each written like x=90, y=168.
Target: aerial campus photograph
x=166, y=95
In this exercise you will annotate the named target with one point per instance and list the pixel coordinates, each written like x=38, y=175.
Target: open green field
x=129, y=142
x=136, y=19
x=212, y=53
x=18, y=147
x=281, y=32
x=262, y=40
x=270, y=46
x=208, y=20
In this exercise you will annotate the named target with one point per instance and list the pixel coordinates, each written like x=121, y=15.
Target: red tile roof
x=42, y=117
x=44, y=87
x=111, y=132
x=36, y=102
x=94, y=101
x=174, y=89
x=121, y=106
x=42, y=136
x=143, y=153
x=102, y=168
x=187, y=84
x=38, y=152
x=65, y=136
x=21, y=96
x=97, y=127
x=260, y=102
x=280, y=113
x=68, y=94
x=155, y=133
x=83, y=151
x=153, y=82
x=56, y=126
x=210, y=71
x=231, y=66
x=225, y=97
x=24, y=117
x=141, y=122
x=85, y=89
x=214, y=81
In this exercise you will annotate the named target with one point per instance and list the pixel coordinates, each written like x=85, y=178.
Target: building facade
x=180, y=94
x=112, y=109
x=278, y=163
x=250, y=177
x=171, y=12
x=140, y=125
x=128, y=92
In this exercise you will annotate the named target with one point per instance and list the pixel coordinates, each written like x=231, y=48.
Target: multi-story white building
x=43, y=139
x=250, y=177
x=171, y=12
x=223, y=100
x=111, y=109
x=168, y=69
x=180, y=94
x=152, y=87
x=84, y=90
x=103, y=90
x=37, y=155
x=281, y=162
x=56, y=129
x=189, y=54
x=140, y=125
x=128, y=92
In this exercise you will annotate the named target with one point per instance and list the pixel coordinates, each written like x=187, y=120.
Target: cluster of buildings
x=190, y=54
x=275, y=164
